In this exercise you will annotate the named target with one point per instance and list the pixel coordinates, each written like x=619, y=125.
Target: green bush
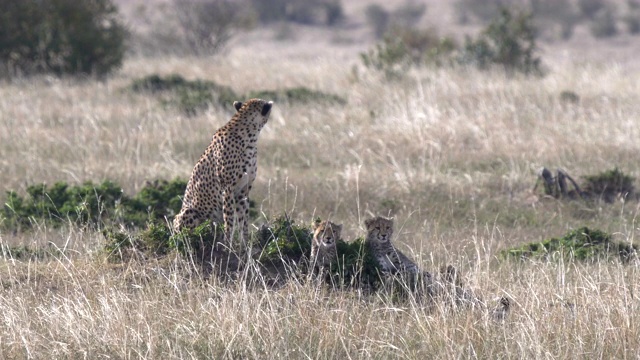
x=188, y=96
x=297, y=95
x=403, y=48
x=28, y=253
x=60, y=36
x=91, y=205
x=509, y=41
x=60, y=203
x=284, y=241
x=581, y=244
x=632, y=21
x=158, y=240
x=589, y=8
x=287, y=243
x=356, y=266
x=554, y=15
x=406, y=16
x=208, y=25
x=604, y=24
x=193, y=96
x=609, y=184
x=568, y=96
x=310, y=12
x=378, y=19
x=482, y=10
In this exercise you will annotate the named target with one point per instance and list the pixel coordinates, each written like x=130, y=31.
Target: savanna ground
x=451, y=154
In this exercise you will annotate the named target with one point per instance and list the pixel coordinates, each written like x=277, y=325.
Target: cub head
x=254, y=112
x=379, y=229
x=326, y=234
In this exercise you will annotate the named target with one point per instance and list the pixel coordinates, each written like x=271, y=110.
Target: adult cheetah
x=221, y=180
x=323, y=247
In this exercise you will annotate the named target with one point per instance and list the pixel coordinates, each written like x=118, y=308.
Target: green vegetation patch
x=197, y=95
x=61, y=37
x=581, y=244
x=188, y=96
x=287, y=243
x=609, y=184
x=91, y=204
x=508, y=42
x=158, y=239
x=28, y=253
x=356, y=266
x=284, y=241
x=301, y=95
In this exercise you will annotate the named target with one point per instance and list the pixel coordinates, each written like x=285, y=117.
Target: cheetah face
x=326, y=234
x=254, y=112
x=379, y=229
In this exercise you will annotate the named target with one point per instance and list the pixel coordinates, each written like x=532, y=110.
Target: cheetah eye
x=378, y=228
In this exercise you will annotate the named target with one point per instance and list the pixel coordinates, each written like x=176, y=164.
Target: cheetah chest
x=249, y=169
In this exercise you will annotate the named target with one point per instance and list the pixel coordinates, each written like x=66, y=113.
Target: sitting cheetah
x=323, y=246
x=392, y=261
x=221, y=180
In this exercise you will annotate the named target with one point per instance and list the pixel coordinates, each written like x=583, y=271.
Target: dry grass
x=451, y=154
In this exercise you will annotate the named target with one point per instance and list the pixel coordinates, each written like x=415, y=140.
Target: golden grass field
x=451, y=154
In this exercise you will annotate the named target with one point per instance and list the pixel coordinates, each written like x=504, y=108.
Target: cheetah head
x=379, y=229
x=254, y=113
x=326, y=234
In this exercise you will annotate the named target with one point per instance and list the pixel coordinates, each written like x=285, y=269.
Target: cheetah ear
x=316, y=224
x=338, y=228
x=237, y=105
x=368, y=222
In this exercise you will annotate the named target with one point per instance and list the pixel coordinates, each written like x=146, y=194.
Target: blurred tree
x=60, y=36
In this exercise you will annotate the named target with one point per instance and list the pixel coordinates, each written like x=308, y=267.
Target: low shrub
x=568, y=96
x=581, y=244
x=91, y=204
x=158, y=240
x=403, y=48
x=28, y=253
x=604, y=24
x=308, y=12
x=301, y=95
x=208, y=25
x=188, y=96
x=193, y=96
x=61, y=37
x=609, y=184
x=287, y=243
x=509, y=42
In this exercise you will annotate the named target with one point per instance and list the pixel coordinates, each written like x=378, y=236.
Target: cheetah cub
x=392, y=261
x=323, y=246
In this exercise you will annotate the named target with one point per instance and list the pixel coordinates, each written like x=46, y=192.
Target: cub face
x=379, y=229
x=326, y=234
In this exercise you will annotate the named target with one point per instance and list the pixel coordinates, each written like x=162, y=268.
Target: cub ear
x=316, y=224
x=237, y=105
x=368, y=223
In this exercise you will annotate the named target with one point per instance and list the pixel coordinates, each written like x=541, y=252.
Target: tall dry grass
x=450, y=153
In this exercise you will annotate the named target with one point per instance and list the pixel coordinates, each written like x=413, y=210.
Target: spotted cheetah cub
x=323, y=246
x=392, y=261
